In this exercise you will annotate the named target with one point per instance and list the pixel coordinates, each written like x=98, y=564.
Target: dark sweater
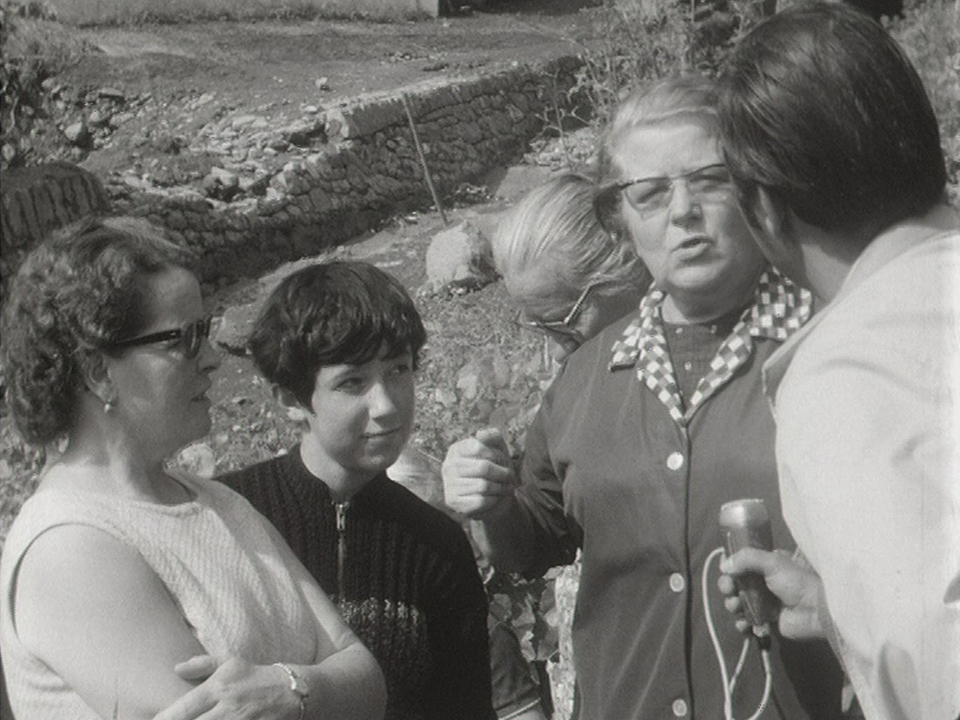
x=410, y=586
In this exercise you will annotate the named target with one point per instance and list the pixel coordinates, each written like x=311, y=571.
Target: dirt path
x=276, y=68
x=271, y=61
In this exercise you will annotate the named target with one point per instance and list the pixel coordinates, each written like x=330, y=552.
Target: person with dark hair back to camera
x=835, y=150
x=339, y=343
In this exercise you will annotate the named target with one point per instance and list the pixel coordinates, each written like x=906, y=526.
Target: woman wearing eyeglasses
x=651, y=426
x=567, y=275
x=569, y=279
x=130, y=589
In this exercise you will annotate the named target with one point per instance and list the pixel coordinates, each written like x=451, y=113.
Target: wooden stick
x=423, y=160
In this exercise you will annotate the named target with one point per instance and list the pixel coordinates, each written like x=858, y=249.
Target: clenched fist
x=478, y=477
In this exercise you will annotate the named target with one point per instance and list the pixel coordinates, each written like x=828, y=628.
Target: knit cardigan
x=403, y=575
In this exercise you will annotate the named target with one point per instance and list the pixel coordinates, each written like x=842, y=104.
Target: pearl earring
x=107, y=406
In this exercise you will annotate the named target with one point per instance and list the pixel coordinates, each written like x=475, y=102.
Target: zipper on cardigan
x=341, y=508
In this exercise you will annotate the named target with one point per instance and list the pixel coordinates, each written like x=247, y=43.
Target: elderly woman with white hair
x=569, y=278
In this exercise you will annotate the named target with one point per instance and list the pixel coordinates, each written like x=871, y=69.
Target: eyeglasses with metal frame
x=564, y=327
x=652, y=195
x=190, y=337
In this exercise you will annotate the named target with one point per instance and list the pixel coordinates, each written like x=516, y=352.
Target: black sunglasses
x=190, y=337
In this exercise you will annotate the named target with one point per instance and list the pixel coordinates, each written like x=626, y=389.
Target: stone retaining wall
x=347, y=170
x=367, y=170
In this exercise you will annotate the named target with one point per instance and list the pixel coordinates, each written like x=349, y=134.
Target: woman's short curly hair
x=73, y=295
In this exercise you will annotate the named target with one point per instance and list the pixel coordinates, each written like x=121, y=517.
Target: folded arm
x=345, y=682
x=92, y=609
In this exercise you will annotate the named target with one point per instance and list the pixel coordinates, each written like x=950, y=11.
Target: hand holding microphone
x=746, y=528
x=764, y=586
x=745, y=524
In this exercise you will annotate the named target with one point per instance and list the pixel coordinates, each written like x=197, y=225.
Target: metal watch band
x=298, y=686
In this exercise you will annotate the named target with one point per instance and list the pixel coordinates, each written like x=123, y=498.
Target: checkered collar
x=779, y=309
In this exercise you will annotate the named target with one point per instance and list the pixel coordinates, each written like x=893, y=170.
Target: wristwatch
x=298, y=685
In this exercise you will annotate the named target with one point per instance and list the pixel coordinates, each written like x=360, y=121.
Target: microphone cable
x=762, y=633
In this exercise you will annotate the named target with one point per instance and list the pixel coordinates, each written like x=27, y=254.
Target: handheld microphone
x=745, y=523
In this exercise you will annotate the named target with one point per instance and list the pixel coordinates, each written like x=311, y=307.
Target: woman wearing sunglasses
x=650, y=427
x=130, y=589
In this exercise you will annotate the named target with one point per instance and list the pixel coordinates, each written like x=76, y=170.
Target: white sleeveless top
x=226, y=566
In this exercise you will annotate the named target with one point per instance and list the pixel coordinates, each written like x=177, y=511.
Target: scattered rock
x=97, y=118
x=242, y=121
x=224, y=177
x=445, y=396
x=221, y=184
x=235, y=327
x=459, y=259
x=118, y=119
x=468, y=381
x=78, y=134
x=256, y=185
x=303, y=132
x=168, y=144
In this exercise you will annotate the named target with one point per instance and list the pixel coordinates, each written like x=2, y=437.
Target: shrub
x=634, y=41
x=21, y=78
x=35, y=48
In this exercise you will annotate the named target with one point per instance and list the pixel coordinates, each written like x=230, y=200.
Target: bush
x=21, y=89
x=641, y=40
x=35, y=48
x=635, y=41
